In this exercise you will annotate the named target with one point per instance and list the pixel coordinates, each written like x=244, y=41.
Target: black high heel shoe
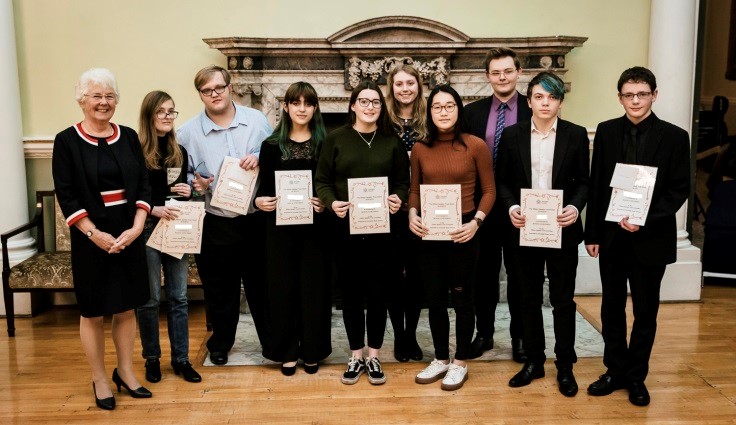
x=139, y=392
x=103, y=403
x=288, y=370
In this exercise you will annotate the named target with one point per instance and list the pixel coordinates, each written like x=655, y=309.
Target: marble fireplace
x=263, y=68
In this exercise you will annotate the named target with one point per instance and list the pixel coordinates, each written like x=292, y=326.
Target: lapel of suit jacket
x=654, y=139
x=561, y=144
x=525, y=148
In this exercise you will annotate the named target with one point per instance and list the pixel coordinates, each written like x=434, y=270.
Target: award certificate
x=184, y=234
x=235, y=186
x=293, y=190
x=631, y=195
x=541, y=208
x=368, y=205
x=441, y=210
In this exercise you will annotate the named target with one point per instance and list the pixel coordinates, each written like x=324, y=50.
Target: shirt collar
x=511, y=103
x=553, y=129
x=208, y=125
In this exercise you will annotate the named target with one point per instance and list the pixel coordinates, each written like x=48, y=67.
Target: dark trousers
x=407, y=295
x=561, y=270
x=232, y=252
x=365, y=274
x=494, y=239
x=617, y=265
x=450, y=265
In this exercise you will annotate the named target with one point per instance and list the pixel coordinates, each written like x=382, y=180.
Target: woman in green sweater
x=363, y=148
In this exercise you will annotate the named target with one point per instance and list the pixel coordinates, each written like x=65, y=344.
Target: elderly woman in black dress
x=101, y=183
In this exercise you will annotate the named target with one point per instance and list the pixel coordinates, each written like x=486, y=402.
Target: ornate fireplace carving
x=263, y=68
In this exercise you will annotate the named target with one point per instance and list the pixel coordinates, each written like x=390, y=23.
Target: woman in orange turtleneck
x=449, y=156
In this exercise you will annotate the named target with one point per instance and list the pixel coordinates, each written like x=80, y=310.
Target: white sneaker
x=455, y=377
x=432, y=373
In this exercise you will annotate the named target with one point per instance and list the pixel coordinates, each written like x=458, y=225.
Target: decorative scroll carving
x=434, y=72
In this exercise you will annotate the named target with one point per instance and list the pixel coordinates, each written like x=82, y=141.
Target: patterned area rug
x=247, y=348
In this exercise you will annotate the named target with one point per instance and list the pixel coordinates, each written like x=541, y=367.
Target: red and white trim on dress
x=93, y=140
x=144, y=206
x=114, y=197
x=76, y=217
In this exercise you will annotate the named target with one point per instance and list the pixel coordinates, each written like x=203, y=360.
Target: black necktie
x=630, y=154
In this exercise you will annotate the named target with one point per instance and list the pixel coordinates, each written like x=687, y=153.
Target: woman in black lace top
x=298, y=301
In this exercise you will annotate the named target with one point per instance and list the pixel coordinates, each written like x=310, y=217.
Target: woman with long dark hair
x=406, y=111
x=298, y=302
x=363, y=148
x=449, y=156
x=166, y=162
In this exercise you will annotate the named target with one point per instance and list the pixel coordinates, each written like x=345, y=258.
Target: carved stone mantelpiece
x=263, y=68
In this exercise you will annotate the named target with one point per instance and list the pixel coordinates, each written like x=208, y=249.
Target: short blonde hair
x=205, y=75
x=100, y=76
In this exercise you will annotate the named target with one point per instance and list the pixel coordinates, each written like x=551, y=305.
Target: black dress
x=298, y=301
x=104, y=283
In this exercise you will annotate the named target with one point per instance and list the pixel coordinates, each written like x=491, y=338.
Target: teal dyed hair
x=549, y=82
x=280, y=134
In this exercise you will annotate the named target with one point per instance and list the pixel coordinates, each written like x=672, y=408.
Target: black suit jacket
x=668, y=148
x=475, y=115
x=569, y=170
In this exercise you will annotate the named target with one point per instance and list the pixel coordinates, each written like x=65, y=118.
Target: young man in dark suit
x=486, y=118
x=546, y=153
x=626, y=251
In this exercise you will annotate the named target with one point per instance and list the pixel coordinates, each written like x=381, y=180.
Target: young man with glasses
x=232, y=244
x=629, y=252
x=546, y=153
x=486, y=118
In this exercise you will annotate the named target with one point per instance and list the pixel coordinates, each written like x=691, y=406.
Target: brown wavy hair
x=149, y=138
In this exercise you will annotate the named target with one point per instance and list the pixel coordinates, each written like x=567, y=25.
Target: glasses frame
x=505, y=72
x=449, y=108
x=163, y=114
x=204, y=172
x=376, y=103
x=209, y=92
x=111, y=98
x=642, y=95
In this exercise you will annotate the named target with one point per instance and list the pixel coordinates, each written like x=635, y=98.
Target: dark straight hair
x=368, y=85
x=281, y=133
x=432, y=131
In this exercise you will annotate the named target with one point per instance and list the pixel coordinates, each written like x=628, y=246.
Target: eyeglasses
x=163, y=114
x=642, y=95
x=450, y=108
x=363, y=102
x=201, y=168
x=217, y=89
x=498, y=74
x=110, y=98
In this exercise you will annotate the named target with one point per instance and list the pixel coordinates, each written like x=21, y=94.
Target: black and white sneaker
x=356, y=367
x=375, y=373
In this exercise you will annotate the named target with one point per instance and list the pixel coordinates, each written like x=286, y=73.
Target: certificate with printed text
x=441, y=206
x=235, y=186
x=368, y=205
x=631, y=195
x=541, y=208
x=184, y=234
x=293, y=193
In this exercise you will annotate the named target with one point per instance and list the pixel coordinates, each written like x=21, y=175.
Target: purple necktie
x=500, y=124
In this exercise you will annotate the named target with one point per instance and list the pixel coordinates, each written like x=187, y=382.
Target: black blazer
x=569, y=169
x=668, y=148
x=74, y=167
x=475, y=115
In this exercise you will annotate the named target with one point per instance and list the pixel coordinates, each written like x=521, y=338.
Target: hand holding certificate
x=293, y=192
x=182, y=235
x=541, y=208
x=234, y=189
x=369, y=211
x=441, y=210
x=631, y=195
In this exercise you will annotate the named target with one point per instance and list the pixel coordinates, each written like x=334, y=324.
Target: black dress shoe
x=311, y=368
x=153, y=370
x=415, y=351
x=288, y=370
x=103, y=403
x=218, y=357
x=517, y=350
x=606, y=384
x=186, y=370
x=140, y=392
x=529, y=372
x=400, y=353
x=566, y=382
x=638, y=394
x=479, y=346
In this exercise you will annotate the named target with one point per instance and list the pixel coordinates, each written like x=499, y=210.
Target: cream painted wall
x=715, y=53
x=152, y=44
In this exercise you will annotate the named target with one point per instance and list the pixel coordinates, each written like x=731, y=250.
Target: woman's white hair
x=99, y=76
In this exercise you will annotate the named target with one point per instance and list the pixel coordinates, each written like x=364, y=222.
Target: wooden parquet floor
x=45, y=379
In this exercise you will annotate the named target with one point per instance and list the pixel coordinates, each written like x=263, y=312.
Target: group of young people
x=492, y=148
